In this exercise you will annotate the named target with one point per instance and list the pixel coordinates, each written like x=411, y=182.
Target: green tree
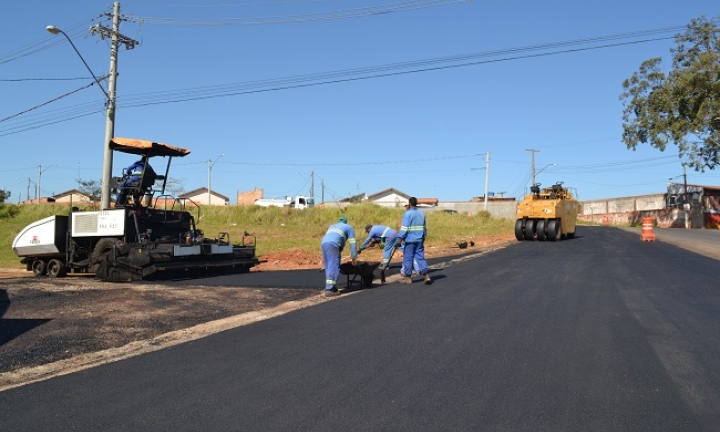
x=4, y=195
x=680, y=106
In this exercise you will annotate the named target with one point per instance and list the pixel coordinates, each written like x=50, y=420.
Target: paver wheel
x=104, y=247
x=39, y=267
x=55, y=268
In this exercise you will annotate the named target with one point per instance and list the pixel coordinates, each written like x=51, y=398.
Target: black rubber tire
x=519, y=230
x=530, y=229
x=540, y=229
x=56, y=268
x=553, y=230
x=39, y=267
x=104, y=246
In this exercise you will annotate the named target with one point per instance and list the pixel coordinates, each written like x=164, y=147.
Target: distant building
x=74, y=196
x=200, y=197
x=697, y=207
x=249, y=197
x=394, y=198
x=389, y=198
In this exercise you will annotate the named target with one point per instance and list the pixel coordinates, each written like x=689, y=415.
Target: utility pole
x=37, y=185
x=115, y=39
x=312, y=184
x=487, y=177
x=532, y=165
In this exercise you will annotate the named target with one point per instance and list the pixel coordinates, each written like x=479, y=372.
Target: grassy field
x=281, y=229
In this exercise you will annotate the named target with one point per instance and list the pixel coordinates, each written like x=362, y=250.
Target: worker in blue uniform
x=132, y=175
x=381, y=234
x=332, y=245
x=412, y=233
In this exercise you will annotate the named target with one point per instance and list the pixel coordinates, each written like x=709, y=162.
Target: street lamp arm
x=543, y=168
x=216, y=159
x=210, y=165
x=54, y=30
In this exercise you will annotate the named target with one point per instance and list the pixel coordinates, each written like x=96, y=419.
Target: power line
x=361, y=12
x=42, y=44
x=42, y=79
x=50, y=101
x=334, y=77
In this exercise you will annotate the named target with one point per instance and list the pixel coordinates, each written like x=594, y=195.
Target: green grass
x=281, y=229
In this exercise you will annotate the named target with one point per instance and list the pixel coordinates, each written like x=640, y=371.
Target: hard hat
x=342, y=219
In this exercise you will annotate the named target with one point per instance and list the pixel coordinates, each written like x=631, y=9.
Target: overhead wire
x=402, y=6
x=230, y=90
x=48, y=102
x=333, y=77
x=307, y=80
x=44, y=44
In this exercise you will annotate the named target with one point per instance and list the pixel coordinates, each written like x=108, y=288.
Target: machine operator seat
x=136, y=189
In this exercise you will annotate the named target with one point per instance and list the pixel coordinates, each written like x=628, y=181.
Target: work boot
x=332, y=292
x=405, y=279
x=427, y=280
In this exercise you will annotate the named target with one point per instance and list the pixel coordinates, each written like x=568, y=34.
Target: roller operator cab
x=134, y=239
x=546, y=214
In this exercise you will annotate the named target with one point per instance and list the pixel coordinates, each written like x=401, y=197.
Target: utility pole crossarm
x=106, y=33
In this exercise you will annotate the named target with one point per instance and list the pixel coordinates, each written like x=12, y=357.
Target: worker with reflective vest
x=413, y=232
x=380, y=234
x=332, y=245
x=132, y=176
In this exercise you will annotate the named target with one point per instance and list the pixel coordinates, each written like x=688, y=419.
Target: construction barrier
x=647, y=230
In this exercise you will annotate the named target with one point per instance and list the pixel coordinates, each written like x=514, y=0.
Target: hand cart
x=361, y=274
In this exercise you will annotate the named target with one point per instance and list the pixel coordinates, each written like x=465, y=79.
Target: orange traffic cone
x=647, y=230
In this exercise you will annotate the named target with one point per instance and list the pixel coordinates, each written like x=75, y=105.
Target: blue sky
x=368, y=95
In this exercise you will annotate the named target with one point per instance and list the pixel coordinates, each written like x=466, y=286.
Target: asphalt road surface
x=604, y=332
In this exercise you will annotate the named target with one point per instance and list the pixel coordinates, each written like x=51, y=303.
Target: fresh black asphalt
x=603, y=332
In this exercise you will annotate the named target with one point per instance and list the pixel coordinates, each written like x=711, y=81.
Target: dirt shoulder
x=50, y=327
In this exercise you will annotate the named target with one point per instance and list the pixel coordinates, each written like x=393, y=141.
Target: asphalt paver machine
x=151, y=233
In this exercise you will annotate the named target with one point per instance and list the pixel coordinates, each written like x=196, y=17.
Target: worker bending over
x=381, y=234
x=332, y=245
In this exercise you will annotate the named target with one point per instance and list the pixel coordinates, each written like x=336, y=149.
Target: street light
x=115, y=38
x=487, y=176
x=210, y=165
x=541, y=170
x=110, y=105
x=54, y=30
x=37, y=185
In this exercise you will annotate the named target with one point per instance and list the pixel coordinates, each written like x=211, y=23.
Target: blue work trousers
x=414, y=253
x=331, y=259
x=388, y=251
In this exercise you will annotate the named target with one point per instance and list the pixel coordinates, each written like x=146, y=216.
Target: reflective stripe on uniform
x=338, y=231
